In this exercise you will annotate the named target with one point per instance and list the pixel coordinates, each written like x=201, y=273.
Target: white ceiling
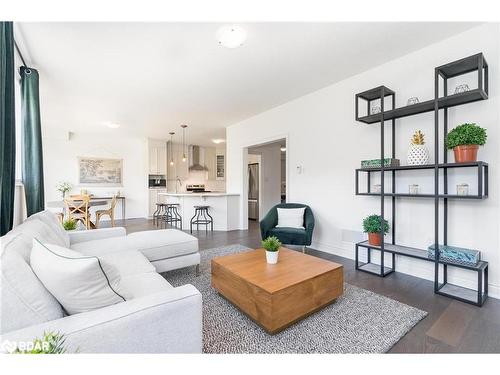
x=152, y=77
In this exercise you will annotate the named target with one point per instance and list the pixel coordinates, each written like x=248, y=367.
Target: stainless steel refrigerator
x=253, y=191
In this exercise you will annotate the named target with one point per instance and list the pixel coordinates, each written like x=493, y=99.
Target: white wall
x=328, y=144
x=270, y=176
x=60, y=164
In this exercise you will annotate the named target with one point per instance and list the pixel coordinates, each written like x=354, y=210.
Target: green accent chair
x=288, y=236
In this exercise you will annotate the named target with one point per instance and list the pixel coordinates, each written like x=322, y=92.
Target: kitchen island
x=224, y=207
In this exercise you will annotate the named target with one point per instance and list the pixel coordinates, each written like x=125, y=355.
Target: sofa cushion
x=143, y=284
x=79, y=282
x=138, y=276
x=24, y=235
x=290, y=236
x=164, y=243
x=127, y=263
x=52, y=221
x=103, y=246
x=24, y=299
x=154, y=244
x=291, y=217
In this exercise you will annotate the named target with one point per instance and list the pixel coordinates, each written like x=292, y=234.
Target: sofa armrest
x=268, y=222
x=309, y=223
x=95, y=234
x=165, y=322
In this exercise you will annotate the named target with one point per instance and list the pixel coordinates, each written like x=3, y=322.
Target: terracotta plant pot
x=374, y=239
x=465, y=153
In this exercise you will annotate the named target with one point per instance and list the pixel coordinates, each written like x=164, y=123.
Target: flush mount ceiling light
x=218, y=141
x=283, y=149
x=231, y=36
x=111, y=125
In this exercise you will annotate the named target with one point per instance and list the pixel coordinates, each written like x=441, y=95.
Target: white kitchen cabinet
x=155, y=198
x=210, y=163
x=153, y=160
x=162, y=160
x=157, y=157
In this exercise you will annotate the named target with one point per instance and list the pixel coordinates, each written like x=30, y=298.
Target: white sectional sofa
x=158, y=319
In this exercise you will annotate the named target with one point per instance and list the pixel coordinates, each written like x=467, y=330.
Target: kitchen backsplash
x=211, y=185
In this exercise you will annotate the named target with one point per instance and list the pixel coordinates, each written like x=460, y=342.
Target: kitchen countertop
x=208, y=194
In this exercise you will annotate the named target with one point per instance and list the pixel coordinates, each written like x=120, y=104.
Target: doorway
x=266, y=172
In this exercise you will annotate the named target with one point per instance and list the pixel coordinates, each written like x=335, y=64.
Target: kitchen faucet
x=177, y=181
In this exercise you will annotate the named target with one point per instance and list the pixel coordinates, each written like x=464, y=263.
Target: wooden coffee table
x=277, y=295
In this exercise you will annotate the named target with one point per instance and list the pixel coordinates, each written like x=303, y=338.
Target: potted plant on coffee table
x=373, y=226
x=272, y=246
x=465, y=140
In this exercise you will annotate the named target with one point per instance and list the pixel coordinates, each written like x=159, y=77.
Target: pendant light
x=184, y=126
x=171, y=148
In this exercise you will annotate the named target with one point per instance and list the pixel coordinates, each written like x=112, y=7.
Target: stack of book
x=375, y=163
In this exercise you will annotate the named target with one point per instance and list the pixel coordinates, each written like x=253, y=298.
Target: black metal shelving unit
x=439, y=103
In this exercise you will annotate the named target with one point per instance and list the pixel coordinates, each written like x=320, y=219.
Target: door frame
x=244, y=192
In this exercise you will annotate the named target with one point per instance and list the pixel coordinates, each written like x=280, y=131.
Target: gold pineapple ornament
x=418, y=138
x=418, y=154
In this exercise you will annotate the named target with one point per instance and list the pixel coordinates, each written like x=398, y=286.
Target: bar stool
x=200, y=217
x=161, y=210
x=172, y=216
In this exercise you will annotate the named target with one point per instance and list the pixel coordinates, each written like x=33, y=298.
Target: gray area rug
x=359, y=322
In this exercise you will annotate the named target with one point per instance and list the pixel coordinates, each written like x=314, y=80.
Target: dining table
x=92, y=203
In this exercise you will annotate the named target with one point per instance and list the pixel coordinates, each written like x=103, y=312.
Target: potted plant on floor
x=272, y=246
x=465, y=140
x=373, y=226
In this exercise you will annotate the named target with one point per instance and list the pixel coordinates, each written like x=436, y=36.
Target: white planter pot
x=272, y=257
x=418, y=155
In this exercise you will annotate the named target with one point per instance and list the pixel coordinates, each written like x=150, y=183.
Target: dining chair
x=77, y=207
x=110, y=212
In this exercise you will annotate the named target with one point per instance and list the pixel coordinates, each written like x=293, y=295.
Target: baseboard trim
x=405, y=265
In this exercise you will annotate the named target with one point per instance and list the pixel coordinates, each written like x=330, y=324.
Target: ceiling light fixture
x=283, y=149
x=231, y=36
x=184, y=126
x=111, y=125
x=171, y=148
x=218, y=141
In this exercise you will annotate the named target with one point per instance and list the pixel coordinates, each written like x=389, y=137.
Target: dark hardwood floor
x=450, y=326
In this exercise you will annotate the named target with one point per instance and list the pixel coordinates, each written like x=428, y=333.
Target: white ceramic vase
x=417, y=155
x=272, y=257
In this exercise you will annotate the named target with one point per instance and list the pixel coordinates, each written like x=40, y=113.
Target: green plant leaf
x=373, y=224
x=466, y=134
x=271, y=243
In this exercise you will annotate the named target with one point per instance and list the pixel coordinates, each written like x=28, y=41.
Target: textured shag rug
x=358, y=322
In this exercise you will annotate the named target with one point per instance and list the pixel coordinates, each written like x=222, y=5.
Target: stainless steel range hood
x=197, y=159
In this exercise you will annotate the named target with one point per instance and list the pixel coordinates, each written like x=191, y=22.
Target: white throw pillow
x=79, y=282
x=291, y=217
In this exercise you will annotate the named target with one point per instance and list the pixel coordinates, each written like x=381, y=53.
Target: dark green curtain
x=32, y=159
x=7, y=128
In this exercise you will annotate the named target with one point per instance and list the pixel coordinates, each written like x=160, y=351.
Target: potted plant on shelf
x=418, y=153
x=272, y=246
x=465, y=140
x=373, y=226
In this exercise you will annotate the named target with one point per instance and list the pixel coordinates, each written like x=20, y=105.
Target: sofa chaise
x=158, y=319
